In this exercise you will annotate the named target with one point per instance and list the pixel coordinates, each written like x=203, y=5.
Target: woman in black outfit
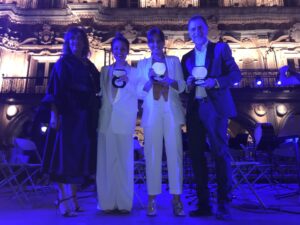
x=71, y=95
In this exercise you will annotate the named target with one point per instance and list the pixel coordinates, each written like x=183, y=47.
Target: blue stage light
x=43, y=128
x=258, y=81
x=278, y=82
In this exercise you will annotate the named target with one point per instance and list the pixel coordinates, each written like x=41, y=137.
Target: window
x=40, y=73
x=209, y=3
x=134, y=4
x=291, y=3
x=122, y=4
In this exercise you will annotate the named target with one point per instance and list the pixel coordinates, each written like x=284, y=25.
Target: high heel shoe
x=178, y=208
x=65, y=211
x=151, y=209
x=76, y=205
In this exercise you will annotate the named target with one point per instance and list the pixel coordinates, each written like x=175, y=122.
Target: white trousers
x=163, y=127
x=115, y=171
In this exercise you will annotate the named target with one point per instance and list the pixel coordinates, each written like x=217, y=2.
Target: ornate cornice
x=37, y=16
x=46, y=27
x=74, y=13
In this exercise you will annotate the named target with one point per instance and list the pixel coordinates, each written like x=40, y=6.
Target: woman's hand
x=123, y=78
x=151, y=75
x=190, y=82
x=166, y=81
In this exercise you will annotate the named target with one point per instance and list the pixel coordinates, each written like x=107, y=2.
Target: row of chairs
x=24, y=164
x=19, y=168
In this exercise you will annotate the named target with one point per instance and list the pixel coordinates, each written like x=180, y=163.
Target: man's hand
x=209, y=83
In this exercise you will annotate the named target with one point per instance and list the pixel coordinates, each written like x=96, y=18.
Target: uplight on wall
x=281, y=110
x=11, y=111
x=260, y=110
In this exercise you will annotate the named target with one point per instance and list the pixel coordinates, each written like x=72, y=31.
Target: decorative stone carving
x=295, y=32
x=10, y=42
x=10, y=39
x=179, y=3
x=46, y=36
x=95, y=41
x=252, y=3
x=129, y=33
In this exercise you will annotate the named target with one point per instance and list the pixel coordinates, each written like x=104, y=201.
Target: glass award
x=117, y=73
x=159, y=69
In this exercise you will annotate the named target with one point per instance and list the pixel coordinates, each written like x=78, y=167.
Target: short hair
x=155, y=31
x=119, y=37
x=72, y=31
x=197, y=17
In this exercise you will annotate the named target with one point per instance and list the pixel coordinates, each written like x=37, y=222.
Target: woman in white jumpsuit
x=162, y=119
x=115, y=131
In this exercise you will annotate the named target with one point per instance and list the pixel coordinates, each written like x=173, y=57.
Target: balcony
x=23, y=85
x=38, y=85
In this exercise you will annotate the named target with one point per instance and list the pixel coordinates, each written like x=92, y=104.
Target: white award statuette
x=116, y=74
x=160, y=69
x=200, y=73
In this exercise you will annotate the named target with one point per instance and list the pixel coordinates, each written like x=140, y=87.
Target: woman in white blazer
x=161, y=81
x=115, y=131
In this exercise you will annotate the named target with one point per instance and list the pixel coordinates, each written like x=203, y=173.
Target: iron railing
x=23, y=85
x=38, y=85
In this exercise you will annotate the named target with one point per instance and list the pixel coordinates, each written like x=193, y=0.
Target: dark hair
x=197, y=17
x=70, y=32
x=153, y=31
x=120, y=37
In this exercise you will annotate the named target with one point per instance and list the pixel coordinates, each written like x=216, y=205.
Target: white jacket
x=122, y=110
x=174, y=102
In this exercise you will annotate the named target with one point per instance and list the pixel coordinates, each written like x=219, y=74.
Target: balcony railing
x=23, y=85
x=251, y=77
x=38, y=85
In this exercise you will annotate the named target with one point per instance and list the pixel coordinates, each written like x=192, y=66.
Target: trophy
x=117, y=73
x=200, y=73
x=159, y=69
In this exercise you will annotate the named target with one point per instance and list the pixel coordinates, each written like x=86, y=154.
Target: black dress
x=70, y=152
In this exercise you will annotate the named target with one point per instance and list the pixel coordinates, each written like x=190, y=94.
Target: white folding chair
x=19, y=170
x=247, y=171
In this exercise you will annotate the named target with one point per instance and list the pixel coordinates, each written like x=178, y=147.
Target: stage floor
x=246, y=209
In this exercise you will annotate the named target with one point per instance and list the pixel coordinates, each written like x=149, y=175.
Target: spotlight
x=281, y=110
x=11, y=111
x=236, y=84
x=43, y=128
x=278, y=82
x=258, y=81
x=260, y=110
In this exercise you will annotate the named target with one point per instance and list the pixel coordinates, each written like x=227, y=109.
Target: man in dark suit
x=209, y=71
